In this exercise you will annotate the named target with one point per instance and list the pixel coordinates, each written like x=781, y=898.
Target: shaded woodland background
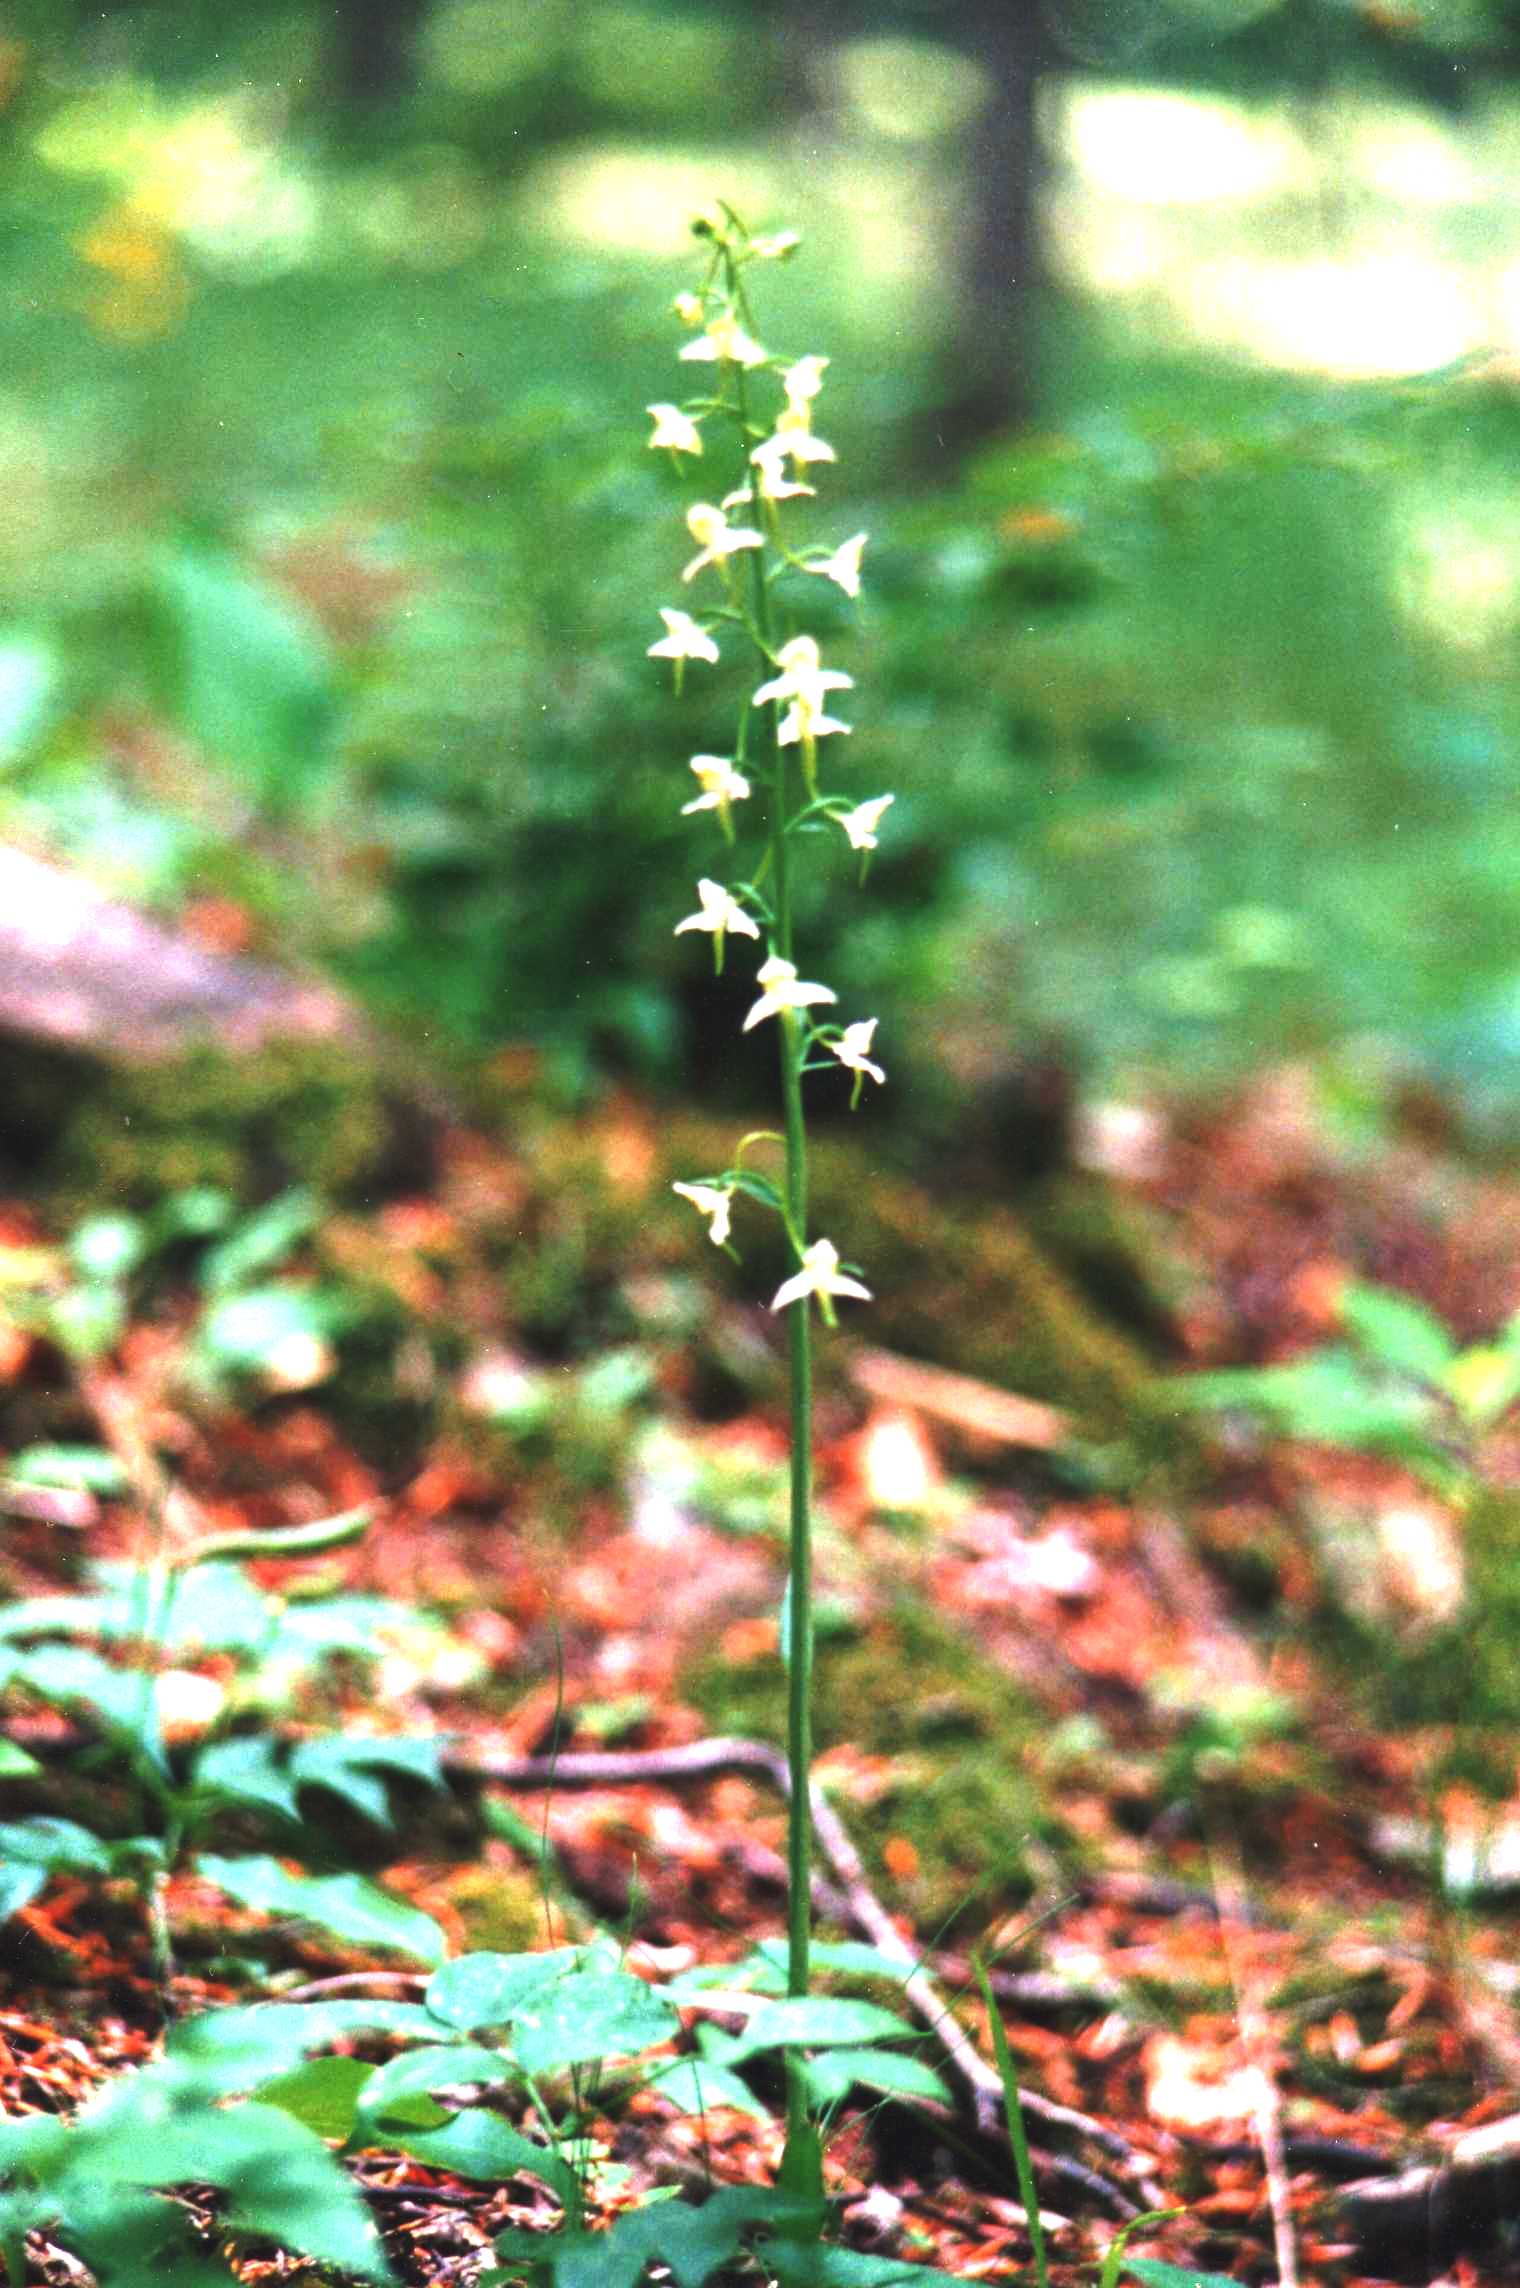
x=1174, y=347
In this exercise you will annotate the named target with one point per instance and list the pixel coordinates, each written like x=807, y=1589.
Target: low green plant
x=111, y=1655
x=1396, y=1385
x=246, y=2100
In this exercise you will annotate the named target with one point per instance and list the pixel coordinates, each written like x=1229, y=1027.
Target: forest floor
x=1137, y=1740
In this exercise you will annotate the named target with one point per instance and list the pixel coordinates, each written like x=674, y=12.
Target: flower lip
x=683, y=639
x=724, y=341
x=820, y=1275
x=718, y=538
x=719, y=781
x=843, y=567
x=674, y=429
x=853, y=1048
x=714, y=1201
x=782, y=988
x=718, y=910
x=860, y=824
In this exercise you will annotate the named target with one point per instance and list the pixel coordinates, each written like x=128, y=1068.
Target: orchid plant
x=755, y=411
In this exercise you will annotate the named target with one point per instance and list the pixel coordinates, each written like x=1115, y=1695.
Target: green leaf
x=323, y=2093
x=261, y=1243
x=481, y=2145
x=69, y=1677
x=204, y=1608
x=347, y=1767
x=246, y=1771
x=225, y=2053
x=692, y=2241
x=803, y=2264
x=246, y=1333
x=346, y=1905
x=250, y=677
x=1397, y=1331
x=832, y=2074
x=84, y=1469
x=88, y=1320
x=695, y=2086
x=20, y=1883
x=480, y=1990
x=29, y=674
x=277, y=2178
x=59, y=1845
x=813, y=2021
x=106, y=1247
x=848, y=1956
x=395, y=2096
x=588, y=2016
x=16, y=1763
x=1151, y=2272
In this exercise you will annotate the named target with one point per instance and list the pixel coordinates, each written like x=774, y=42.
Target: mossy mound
x=317, y=1113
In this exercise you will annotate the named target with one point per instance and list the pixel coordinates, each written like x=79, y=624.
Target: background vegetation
x=330, y=540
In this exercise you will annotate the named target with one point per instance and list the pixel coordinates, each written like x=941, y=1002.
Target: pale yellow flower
x=688, y=308
x=794, y=432
x=718, y=538
x=805, y=683
x=723, y=341
x=776, y=245
x=843, y=567
x=683, y=639
x=770, y=461
x=721, y=784
x=819, y=1275
x=860, y=824
x=782, y=989
x=803, y=381
x=674, y=429
x=853, y=1048
x=712, y=1200
x=718, y=912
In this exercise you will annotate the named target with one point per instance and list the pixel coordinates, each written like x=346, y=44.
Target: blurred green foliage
x=332, y=546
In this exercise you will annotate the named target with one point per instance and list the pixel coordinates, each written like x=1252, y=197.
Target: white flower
x=775, y=484
x=717, y=536
x=843, y=567
x=795, y=434
x=820, y=1275
x=783, y=989
x=719, y=911
x=803, y=381
x=853, y=1048
x=860, y=824
x=674, y=429
x=683, y=639
x=714, y=1200
x=721, y=784
x=724, y=341
x=688, y=308
x=804, y=682
x=776, y=245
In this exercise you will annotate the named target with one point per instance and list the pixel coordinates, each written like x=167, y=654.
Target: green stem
x=799, y=1728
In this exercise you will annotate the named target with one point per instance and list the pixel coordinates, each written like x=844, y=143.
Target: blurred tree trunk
x=986, y=370
x=372, y=55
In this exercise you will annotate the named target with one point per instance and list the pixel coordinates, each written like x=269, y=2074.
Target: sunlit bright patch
x=638, y=197
x=1189, y=2087
x=1162, y=148
x=898, y=1465
x=1368, y=317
